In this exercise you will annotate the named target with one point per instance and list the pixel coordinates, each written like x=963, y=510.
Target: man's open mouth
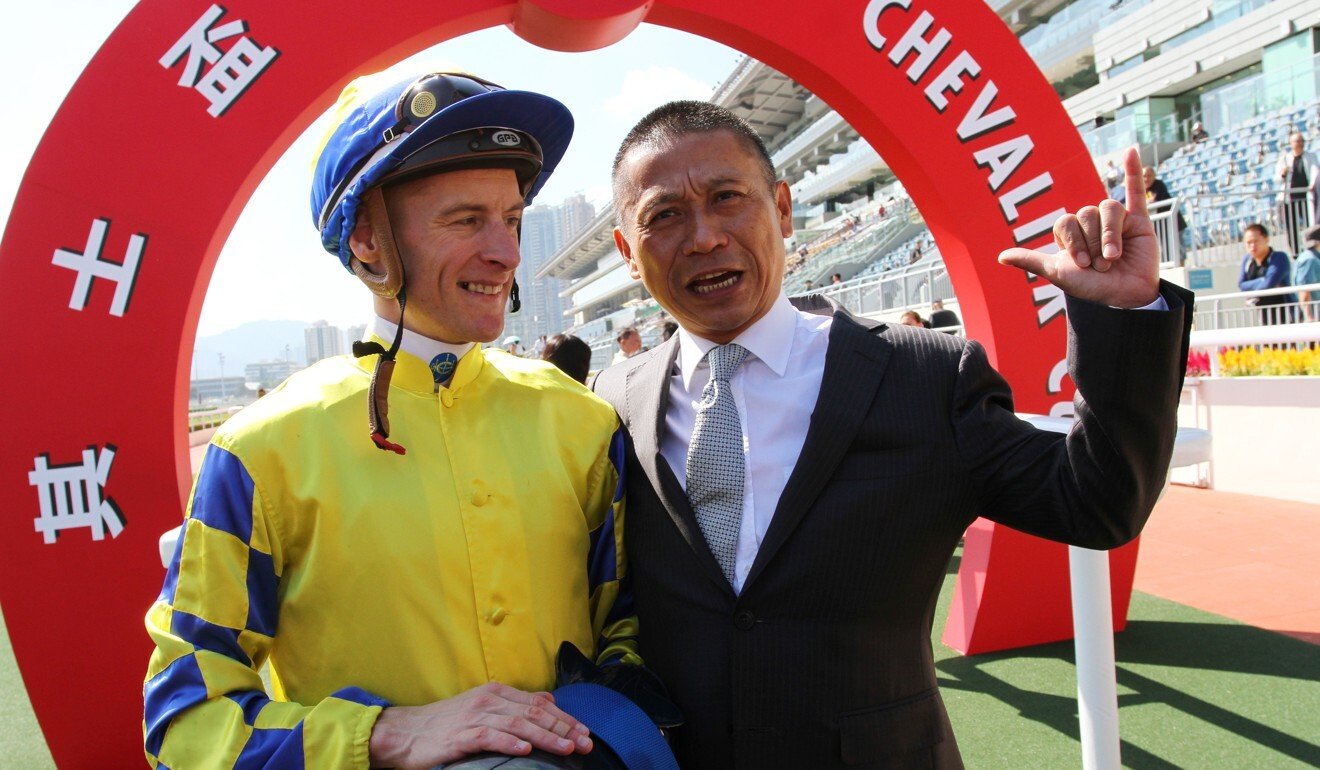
x=709, y=282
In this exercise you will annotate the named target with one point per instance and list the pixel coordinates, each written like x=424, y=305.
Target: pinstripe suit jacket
x=824, y=660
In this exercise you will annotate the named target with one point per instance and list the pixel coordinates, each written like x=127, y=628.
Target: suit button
x=744, y=620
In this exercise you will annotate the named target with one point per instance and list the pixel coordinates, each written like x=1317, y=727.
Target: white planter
x=1266, y=433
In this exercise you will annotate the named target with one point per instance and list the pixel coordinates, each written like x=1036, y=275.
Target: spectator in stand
x=836, y=278
x=1264, y=268
x=1156, y=192
x=630, y=344
x=1299, y=173
x=512, y=345
x=941, y=318
x=538, y=347
x=1307, y=270
x=915, y=256
x=1113, y=176
x=668, y=331
x=570, y=354
x=1199, y=134
x=912, y=318
x=811, y=285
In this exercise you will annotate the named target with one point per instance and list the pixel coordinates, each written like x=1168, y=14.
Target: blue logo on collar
x=442, y=367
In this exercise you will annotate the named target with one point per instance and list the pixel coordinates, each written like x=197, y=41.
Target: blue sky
x=50, y=42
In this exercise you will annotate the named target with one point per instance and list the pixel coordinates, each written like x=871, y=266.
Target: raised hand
x=490, y=718
x=1107, y=254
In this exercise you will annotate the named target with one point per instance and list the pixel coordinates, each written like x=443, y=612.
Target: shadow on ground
x=1177, y=666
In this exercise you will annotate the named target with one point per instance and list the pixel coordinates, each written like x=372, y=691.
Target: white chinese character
x=70, y=495
x=89, y=265
x=231, y=73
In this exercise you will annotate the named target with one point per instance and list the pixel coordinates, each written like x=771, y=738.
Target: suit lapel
x=854, y=365
x=648, y=401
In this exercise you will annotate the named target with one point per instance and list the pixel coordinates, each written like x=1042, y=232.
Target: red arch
x=130, y=146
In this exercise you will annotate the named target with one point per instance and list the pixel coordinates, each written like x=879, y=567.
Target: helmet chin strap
x=389, y=284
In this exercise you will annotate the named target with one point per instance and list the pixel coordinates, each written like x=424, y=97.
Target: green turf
x=1195, y=691
x=21, y=744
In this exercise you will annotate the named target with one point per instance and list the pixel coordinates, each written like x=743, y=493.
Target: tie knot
x=724, y=360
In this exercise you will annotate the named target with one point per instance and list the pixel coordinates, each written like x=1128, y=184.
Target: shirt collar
x=770, y=339
x=424, y=348
x=416, y=353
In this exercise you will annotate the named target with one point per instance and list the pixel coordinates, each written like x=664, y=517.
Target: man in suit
x=798, y=478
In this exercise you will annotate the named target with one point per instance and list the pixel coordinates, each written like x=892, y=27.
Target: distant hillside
x=253, y=341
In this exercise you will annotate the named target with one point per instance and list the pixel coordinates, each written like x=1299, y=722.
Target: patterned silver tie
x=715, y=465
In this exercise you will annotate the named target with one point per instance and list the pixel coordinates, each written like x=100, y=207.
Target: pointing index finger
x=1133, y=183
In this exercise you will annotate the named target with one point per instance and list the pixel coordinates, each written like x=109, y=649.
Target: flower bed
x=1250, y=362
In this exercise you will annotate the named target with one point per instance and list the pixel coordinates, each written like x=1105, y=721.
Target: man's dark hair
x=570, y=354
x=675, y=119
x=1258, y=227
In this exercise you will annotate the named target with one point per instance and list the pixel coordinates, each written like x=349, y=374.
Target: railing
x=1164, y=217
x=1217, y=312
x=209, y=418
x=1218, y=220
x=895, y=291
x=862, y=245
x=1129, y=130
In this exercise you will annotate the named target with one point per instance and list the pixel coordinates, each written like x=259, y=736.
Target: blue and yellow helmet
x=435, y=123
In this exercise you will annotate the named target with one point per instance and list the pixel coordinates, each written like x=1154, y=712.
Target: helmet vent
x=423, y=104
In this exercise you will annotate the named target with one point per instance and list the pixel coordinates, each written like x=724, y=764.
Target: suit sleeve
x=613, y=618
x=213, y=626
x=1096, y=486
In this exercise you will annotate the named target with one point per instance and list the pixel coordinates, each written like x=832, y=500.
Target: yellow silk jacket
x=369, y=579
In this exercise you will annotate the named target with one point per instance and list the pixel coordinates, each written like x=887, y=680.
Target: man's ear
x=362, y=241
x=625, y=251
x=784, y=206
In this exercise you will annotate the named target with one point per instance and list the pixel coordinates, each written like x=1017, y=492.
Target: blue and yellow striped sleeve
x=612, y=616
x=213, y=626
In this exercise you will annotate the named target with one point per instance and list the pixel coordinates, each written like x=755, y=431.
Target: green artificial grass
x=21, y=744
x=1195, y=691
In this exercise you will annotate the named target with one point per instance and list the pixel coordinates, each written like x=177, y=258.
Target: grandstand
x=1229, y=180
x=1247, y=70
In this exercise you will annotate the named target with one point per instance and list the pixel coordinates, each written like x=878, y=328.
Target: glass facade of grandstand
x=1248, y=71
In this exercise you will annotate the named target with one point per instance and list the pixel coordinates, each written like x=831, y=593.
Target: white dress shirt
x=775, y=390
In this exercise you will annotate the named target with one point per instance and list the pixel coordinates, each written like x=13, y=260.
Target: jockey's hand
x=490, y=718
